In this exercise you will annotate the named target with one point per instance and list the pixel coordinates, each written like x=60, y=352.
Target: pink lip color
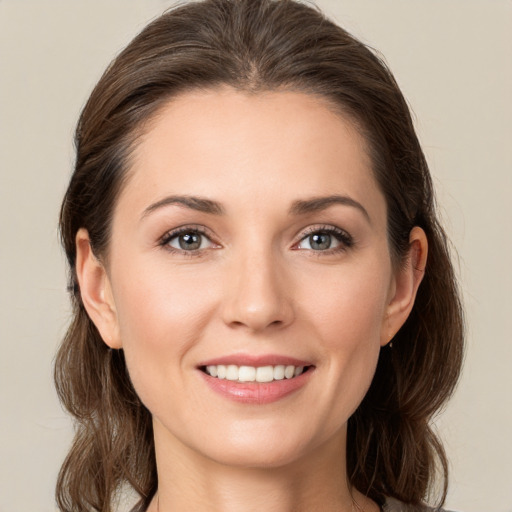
x=256, y=392
x=252, y=360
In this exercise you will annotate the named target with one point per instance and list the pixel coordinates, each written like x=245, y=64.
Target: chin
x=272, y=448
x=256, y=458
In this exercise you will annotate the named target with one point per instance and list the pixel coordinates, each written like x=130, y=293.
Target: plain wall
x=452, y=59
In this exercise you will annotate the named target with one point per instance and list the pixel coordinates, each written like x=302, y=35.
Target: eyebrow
x=299, y=207
x=317, y=204
x=199, y=204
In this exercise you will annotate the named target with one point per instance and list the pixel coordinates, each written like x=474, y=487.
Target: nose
x=259, y=294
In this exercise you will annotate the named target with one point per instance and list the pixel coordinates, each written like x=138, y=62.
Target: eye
x=318, y=242
x=325, y=239
x=187, y=239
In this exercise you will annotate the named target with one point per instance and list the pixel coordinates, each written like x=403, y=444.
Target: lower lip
x=256, y=392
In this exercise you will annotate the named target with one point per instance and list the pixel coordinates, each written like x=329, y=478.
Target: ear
x=405, y=284
x=96, y=291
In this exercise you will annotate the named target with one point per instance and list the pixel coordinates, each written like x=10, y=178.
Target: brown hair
x=257, y=45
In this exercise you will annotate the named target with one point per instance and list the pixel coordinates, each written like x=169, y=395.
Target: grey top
x=393, y=505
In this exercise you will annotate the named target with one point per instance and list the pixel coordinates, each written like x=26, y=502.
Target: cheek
x=351, y=307
x=160, y=318
x=348, y=318
x=351, y=334
x=158, y=304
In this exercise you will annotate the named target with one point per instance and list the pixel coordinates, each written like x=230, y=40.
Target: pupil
x=320, y=241
x=190, y=241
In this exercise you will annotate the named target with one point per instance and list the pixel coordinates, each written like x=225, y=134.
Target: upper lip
x=255, y=360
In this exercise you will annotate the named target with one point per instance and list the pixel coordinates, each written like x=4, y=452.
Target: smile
x=262, y=382
x=260, y=374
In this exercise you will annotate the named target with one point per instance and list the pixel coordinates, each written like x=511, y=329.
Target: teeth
x=232, y=372
x=265, y=374
x=279, y=372
x=254, y=374
x=221, y=371
x=289, y=372
x=247, y=374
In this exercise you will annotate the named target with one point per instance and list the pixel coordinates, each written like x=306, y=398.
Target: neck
x=316, y=481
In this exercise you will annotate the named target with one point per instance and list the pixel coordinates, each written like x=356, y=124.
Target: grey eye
x=319, y=242
x=189, y=241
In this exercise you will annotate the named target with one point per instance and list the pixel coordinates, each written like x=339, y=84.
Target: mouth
x=258, y=374
x=256, y=379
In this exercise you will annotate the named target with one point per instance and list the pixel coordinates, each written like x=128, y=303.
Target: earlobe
x=406, y=283
x=96, y=291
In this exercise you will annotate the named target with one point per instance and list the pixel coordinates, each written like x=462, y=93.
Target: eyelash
x=199, y=230
x=346, y=240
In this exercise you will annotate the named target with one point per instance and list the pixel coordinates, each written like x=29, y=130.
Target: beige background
x=453, y=61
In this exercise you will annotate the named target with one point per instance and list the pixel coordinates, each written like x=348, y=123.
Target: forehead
x=249, y=147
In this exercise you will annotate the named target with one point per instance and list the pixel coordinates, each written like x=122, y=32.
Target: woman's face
x=250, y=233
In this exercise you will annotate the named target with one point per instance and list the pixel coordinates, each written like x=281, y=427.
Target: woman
x=265, y=312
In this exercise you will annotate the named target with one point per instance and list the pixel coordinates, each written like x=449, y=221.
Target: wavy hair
x=253, y=46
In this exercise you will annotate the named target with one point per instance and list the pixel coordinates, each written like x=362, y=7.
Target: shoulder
x=393, y=505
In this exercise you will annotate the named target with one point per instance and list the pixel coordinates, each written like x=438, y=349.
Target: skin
x=255, y=286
